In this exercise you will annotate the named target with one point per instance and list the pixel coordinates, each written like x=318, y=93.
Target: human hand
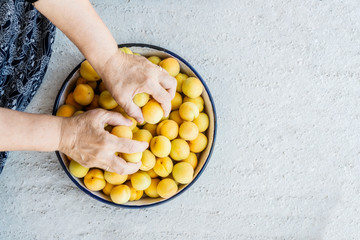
x=84, y=139
x=126, y=75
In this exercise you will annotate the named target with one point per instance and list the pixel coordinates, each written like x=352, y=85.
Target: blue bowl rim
x=56, y=104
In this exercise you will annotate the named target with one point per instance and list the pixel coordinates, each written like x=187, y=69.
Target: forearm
x=26, y=131
x=83, y=26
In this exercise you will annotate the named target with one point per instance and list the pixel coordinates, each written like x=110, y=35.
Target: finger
x=120, y=166
x=169, y=83
x=131, y=109
x=163, y=97
x=125, y=145
x=115, y=119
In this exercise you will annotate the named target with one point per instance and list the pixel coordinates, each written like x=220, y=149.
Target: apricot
x=175, y=116
x=198, y=101
x=202, y=122
x=166, y=188
x=188, y=131
x=126, y=50
x=137, y=54
x=106, y=101
x=70, y=101
x=151, y=128
x=192, y=160
x=160, y=146
x=179, y=149
x=171, y=65
x=119, y=109
x=102, y=87
x=122, y=132
x=114, y=178
x=198, y=144
x=151, y=191
x=82, y=80
x=88, y=72
x=163, y=166
x=176, y=101
x=94, y=180
x=65, y=111
x=78, y=113
x=192, y=87
x=142, y=135
x=154, y=59
x=148, y=160
x=152, y=173
x=141, y=99
x=135, y=129
x=152, y=112
x=168, y=128
x=77, y=170
x=180, y=78
x=107, y=189
x=134, y=194
x=183, y=172
x=188, y=111
x=140, y=180
x=120, y=194
x=94, y=103
x=132, y=157
x=83, y=94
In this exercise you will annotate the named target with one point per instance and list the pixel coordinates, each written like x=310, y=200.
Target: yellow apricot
x=198, y=101
x=160, y=146
x=83, y=94
x=151, y=191
x=180, y=78
x=141, y=99
x=135, y=129
x=88, y=72
x=126, y=50
x=198, y=144
x=94, y=103
x=163, y=166
x=94, y=180
x=137, y=54
x=78, y=113
x=65, y=111
x=106, y=101
x=188, y=131
x=151, y=128
x=152, y=173
x=134, y=194
x=167, y=188
x=77, y=170
x=120, y=194
x=70, y=101
x=114, y=178
x=183, y=172
x=154, y=59
x=192, y=87
x=175, y=116
x=132, y=157
x=168, y=128
x=107, y=189
x=179, y=149
x=140, y=180
x=176, y=101
x=148, y=160
x=171, y=65
x=192, y=160
x=122, y=132
x=202, y=122
x=152, y=112
x=142, y=135
x=188, y=111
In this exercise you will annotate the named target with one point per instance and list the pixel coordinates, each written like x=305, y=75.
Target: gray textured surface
x=285, y=79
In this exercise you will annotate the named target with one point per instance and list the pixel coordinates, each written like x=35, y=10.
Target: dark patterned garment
x=26, y=37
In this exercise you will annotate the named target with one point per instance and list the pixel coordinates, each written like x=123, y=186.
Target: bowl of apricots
x=180, y=146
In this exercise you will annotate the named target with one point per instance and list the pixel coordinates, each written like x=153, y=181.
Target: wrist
x=67, y=135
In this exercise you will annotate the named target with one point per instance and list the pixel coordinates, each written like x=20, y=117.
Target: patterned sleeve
x=31, y=1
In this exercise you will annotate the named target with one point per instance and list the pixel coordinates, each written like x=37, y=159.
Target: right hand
x=84, y=139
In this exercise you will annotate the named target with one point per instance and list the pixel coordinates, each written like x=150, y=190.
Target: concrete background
x=285, y=77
